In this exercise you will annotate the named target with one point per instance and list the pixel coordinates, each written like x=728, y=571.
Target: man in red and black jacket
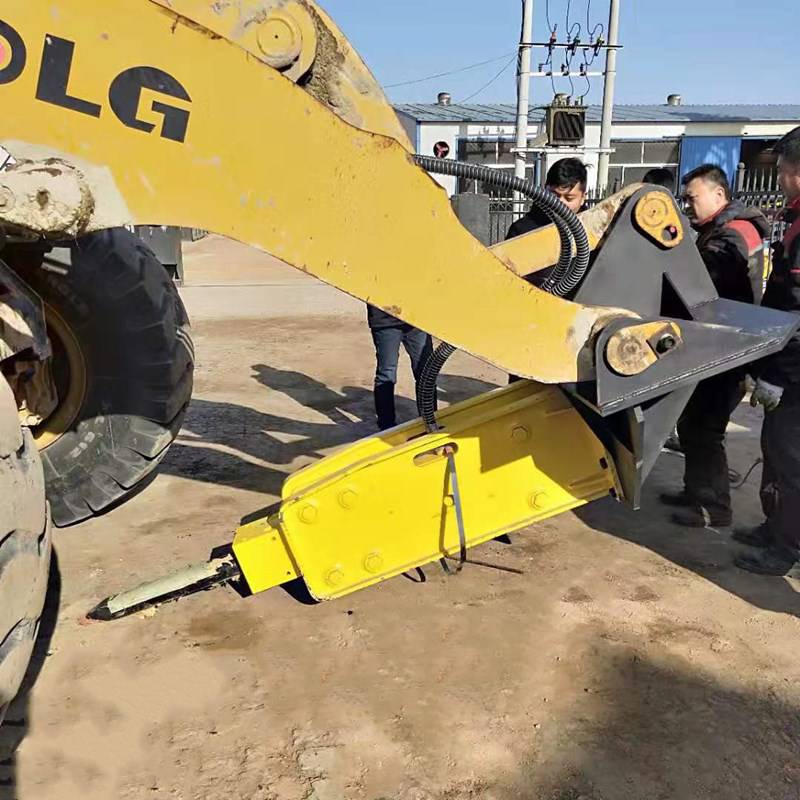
x=730, y=238
x=778, y=390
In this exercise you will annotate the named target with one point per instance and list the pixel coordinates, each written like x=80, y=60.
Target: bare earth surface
x=631, y=660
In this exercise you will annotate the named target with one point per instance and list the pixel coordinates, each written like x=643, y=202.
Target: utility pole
x=523, y=91
x=608, y=97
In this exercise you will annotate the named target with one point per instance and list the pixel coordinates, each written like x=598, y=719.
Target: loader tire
x=25, y=546
x=123, y=365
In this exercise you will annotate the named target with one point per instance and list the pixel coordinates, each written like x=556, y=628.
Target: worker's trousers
x=701, y=430
x=780, y=482
x=419, y=347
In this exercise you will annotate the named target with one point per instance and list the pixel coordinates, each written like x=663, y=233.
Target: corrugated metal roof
x=505, y=113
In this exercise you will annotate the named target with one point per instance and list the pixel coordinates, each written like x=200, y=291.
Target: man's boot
x=759, y=536
x=776, y=560
x=673, y=442
x=699, y=516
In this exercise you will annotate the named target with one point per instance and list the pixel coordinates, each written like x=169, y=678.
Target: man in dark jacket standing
x=388, y=333
x=730, y=238
x=778, y=390
x=566, y=179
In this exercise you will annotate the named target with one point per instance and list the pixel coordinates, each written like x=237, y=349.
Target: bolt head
x=373, y=563
x=333, y=577
x=520, y=434
x=348, y=499
x=308, y=514
x=539, y=501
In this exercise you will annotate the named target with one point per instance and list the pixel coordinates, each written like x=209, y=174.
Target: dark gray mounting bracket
x=633, y=415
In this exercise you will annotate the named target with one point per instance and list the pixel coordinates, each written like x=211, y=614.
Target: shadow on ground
x=233, y=445
x=357, y=401
x=708, y=553
x=650, y=726
x=16, y=724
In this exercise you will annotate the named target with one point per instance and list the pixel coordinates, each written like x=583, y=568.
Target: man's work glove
x=767, y=395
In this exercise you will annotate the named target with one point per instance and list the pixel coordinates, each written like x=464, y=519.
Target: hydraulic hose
x=567, y=274
x=454, y=168
x=426, y=385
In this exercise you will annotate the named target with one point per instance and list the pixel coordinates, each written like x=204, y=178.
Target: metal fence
x=502, y=215
x=504, y=211
x=756, y=179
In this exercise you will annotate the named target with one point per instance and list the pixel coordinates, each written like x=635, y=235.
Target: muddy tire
x=124, y=363
x=24, y=547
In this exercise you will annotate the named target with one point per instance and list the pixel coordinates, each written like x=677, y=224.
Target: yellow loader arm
x=256, y=120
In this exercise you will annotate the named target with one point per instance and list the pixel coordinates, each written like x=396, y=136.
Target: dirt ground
x=631, y=660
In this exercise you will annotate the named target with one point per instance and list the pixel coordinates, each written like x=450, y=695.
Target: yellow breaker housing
x=386, y=504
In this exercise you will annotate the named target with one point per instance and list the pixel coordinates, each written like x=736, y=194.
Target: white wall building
x=679, y=137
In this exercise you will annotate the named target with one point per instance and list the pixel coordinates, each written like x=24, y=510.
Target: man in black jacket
x=566, y=179
x=730, y=240
x=388, y=333
x=778, y=390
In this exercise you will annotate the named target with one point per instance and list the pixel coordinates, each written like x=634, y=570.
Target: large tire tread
x=125, y=311
x=25, y=548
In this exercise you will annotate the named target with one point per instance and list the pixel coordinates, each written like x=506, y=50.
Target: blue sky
x=710, y=51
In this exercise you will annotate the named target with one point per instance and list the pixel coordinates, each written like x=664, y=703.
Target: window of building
x=479, y=151
x=633, y=159
x=493, y=152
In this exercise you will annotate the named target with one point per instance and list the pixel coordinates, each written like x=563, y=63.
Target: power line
x=583, y=43
x=445, y=74
x=487, y=85
x=593, y=35
x=571, y=28
x=592, y=32
x=550, y=25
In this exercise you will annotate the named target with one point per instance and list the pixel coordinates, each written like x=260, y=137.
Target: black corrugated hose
x=456, y=167
x=426, y=385
x=567, y=274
